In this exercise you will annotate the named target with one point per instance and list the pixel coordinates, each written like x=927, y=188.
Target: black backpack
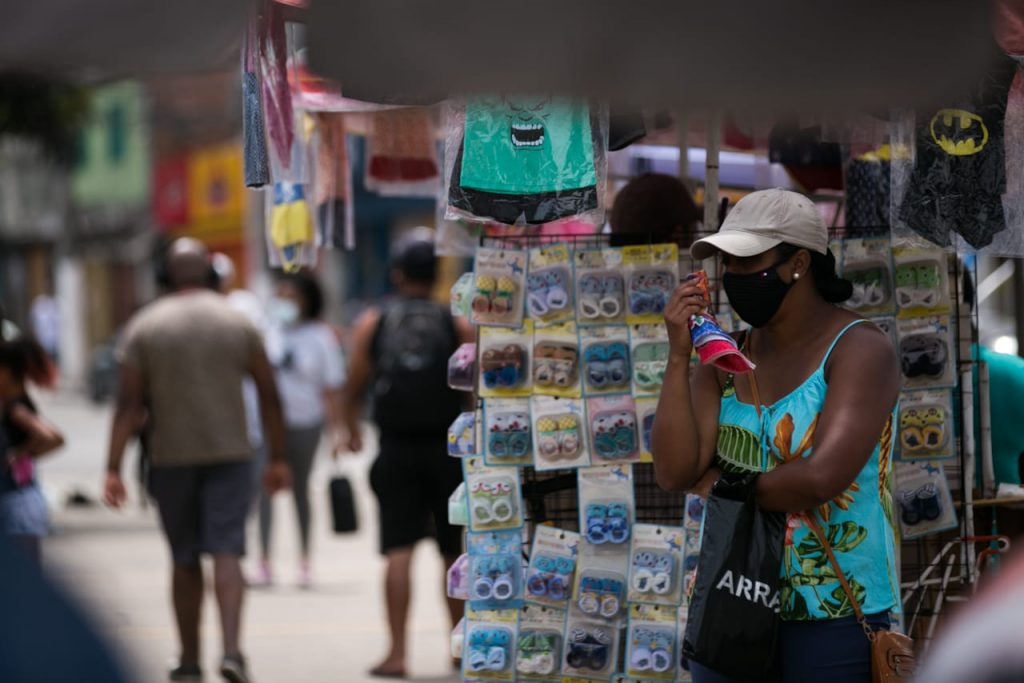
x=412, y=345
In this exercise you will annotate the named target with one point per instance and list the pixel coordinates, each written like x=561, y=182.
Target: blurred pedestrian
x=184, y=359
x=26, y=437
x=400, y=355
x=653, y=208
x=45, y=316
x=310, y=374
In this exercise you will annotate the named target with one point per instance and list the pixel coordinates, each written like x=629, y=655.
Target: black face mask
x=756, y=297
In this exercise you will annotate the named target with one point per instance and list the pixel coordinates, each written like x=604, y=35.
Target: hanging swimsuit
x=859, y=522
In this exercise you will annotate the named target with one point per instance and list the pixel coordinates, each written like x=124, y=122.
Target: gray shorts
x=203, y=508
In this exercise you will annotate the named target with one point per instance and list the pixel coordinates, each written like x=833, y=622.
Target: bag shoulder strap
x=812, y=523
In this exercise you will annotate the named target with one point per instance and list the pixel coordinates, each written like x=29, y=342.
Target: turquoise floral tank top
x=859, y=523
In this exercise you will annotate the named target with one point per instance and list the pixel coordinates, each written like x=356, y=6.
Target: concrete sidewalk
x=116, y=563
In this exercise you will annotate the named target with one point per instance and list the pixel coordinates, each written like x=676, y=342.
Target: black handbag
x=734, y=610
x=343, y=504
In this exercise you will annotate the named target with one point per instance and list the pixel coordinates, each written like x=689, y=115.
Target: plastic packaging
x=649, y=343
x=495, y=570
x=646, y=407
x=922, y=282
x=462, y=296
x=500, y=287
x=926, y=352
x=494, y=496
x=606, y=367
x=652, y=276
x=549, y=285
x=552, y=570
x=655, y=570
x=556, y=360
x=652, y=642
x=505, y=369
x=508, y=439
x=600, y=287
x=607, y=508
x=462, y=436
x=462, y=368
x=614, y=429
x=591, y=648
x=458, y=578
x=926, y=425
x=923, y=501
x=867, y=263
x=458, y=507
x=525, y=159
x=560, y=436
x=401, y=153
x=488, y=652
x=539, y=648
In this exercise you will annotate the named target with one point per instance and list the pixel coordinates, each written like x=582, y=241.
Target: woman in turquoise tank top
x=827, y=383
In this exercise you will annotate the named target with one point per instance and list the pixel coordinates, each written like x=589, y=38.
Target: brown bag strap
x=812, y=523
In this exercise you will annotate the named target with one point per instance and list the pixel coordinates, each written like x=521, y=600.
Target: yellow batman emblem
x=958, y=132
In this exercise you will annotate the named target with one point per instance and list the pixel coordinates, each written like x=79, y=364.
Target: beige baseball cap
x=763, y=220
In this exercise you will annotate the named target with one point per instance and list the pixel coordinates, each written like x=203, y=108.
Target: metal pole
x=711, y=172
x=1018, y=303
x=988, y=476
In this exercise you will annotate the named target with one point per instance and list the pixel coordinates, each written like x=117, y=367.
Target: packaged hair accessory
x=462, y=437
x=559, y=430
x=650, y=357
x=505, y=361
x=489, y=646
x=652, y=275
x=652, y=642
x=646, y=408
x=499, y=292
x=923, y=501
x=462, y=368
x=600, y=287
x=607, y=508
x=614, y=430
x=507, y=439
x=925, y=425
x=549, y=285
x=867, y=263
x=556, y=360
x=606, y=367
x=922, y=282
x=926, y=352
x=552, y=570
x=495, y=496
x=655, y=570
x=495, y=570
x=539, y=648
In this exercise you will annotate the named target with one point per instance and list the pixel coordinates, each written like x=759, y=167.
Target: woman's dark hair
x=27, y=360
x=310, y=291
x=830, y=286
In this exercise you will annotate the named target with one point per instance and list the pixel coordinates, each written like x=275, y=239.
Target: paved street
x=117, y=564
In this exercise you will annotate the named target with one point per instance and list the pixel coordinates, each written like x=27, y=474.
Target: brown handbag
x=892, y=653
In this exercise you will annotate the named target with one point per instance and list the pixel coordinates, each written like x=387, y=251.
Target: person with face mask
x=815, y=418
x=310, y=374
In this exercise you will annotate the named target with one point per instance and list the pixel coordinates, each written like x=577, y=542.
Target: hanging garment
x=332, y=181
x=625, y=127
x=867, y=194
x=291, y=227
x=525, y=160
x=814, y=163
x=401, y=148
x=277, y=99
x=254, y=130
x=959, y=172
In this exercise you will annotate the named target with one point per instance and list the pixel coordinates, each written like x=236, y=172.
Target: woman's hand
x=707, y=482
x=686, y=301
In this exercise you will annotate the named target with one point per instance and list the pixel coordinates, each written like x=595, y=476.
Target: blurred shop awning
x=101, y=39
x=722, y=53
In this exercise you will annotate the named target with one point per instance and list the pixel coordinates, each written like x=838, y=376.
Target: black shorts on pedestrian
x=413, y=477
x=203, y=508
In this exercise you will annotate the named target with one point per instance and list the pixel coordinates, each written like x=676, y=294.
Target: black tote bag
x=343, y=504
x=734, y=610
